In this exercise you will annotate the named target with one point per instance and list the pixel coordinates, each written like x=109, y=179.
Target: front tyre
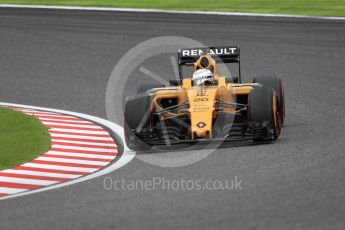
x=137, y=114
x=132, y=140
x=276, y=84
x=263, y=108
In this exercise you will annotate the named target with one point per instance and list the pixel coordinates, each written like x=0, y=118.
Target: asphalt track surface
x=63, y=59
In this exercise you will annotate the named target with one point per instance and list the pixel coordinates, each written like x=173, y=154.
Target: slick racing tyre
x=137, y=113
x=276, y=84
x=136, y=116
x=133, y=141
x=263, y=107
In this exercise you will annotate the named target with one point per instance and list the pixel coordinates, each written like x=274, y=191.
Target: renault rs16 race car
x=205, y=106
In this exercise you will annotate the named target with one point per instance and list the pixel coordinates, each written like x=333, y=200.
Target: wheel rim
x=282, y=102
x=276, y=120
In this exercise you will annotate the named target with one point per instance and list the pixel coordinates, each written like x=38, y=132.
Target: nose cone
x=201, y=107
x=200, y=134
x=201, y=130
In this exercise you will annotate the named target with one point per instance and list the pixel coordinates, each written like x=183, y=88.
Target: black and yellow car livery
x=227, y=110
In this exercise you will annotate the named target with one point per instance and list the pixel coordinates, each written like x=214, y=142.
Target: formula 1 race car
x=223, y=109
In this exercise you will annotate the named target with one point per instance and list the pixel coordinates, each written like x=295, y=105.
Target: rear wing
x=230, y=54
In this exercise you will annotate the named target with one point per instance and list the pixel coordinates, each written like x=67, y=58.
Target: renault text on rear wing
x=229, y=54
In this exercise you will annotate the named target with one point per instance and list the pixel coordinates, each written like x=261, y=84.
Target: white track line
x=76, y=136
x=168, y=11
x=95, y=153
x=66, y=142
x=27, y=181
x=84, y=148
x=73, y=125
x=59, y=117
x=79, y=155
x=59, y=167
x=61, y=120
x=67, y=160
x=79, y=131
x=37, y=173
x=30, y=111
x=11, y=191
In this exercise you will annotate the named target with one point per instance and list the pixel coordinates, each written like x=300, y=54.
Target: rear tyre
x=263, y=107
x=276, y=84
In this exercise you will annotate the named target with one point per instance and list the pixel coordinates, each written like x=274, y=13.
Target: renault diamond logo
x=201, y=125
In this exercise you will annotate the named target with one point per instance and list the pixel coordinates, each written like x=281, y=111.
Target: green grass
x=301, y=7
x=22, y=138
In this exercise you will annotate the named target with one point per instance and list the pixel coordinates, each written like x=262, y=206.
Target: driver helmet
x=203, y=77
